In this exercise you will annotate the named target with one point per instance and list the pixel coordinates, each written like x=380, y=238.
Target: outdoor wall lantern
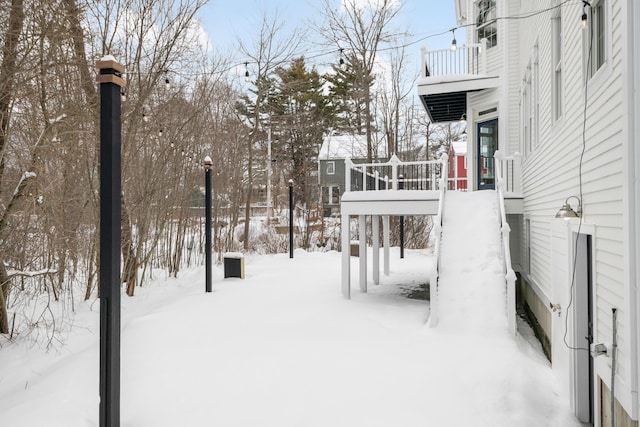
x=567, y=212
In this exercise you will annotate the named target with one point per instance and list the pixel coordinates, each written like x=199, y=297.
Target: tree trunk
x=4, y=293
x=8, y=71
x=129, y=272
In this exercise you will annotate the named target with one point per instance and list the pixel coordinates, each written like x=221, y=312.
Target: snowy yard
x=283, y=348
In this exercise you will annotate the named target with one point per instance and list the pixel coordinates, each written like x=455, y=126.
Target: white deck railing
x=465, y=60
x=395, y=175
x=508, y=171
x=437, y=233
x=502, y=183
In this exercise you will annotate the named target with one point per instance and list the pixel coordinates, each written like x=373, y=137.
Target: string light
x=173, y=144
x=585, y=3
x=343, y=65
x=246, y=72
x=454, y=44
x=123, y=96
x=160, y=132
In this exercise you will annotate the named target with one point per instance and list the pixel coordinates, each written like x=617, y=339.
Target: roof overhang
x=445, y=107
x=445, y=99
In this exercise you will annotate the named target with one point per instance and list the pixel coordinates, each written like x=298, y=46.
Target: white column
x=375, y=232
x=385, y=237
x=362, y=236
x=346, y=256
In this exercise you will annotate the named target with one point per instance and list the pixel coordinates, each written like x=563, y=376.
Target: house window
x=556, y=66
x=596, y=37
x=535, y=98
x=486, y=25
x=331, y=168
x=529, y=109
x=335, y=195
x=525, y=112
x=331, y=195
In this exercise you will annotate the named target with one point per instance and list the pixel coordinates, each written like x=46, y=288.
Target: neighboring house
x=562, y=100
x=458, y=165
x=331, y=167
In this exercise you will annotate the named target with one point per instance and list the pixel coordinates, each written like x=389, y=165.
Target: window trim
x=557, y=77
x=489, y=26
x=331, y=167
x=595, y=80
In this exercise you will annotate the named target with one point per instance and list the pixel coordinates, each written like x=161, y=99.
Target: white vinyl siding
x=551, y=174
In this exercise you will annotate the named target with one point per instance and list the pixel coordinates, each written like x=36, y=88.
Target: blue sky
x=227, y=20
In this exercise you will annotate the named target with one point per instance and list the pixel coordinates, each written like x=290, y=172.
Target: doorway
x=487, y=146
x=583, y=330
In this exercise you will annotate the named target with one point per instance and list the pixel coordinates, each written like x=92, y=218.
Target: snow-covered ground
x=283, y=348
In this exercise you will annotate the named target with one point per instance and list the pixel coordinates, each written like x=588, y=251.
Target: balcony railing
x=508, y=171
x=465, y=60
x=395, y=175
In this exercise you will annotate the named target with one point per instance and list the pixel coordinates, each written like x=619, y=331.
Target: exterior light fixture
x=246, y=72
x=454, y=43
x=567, y=212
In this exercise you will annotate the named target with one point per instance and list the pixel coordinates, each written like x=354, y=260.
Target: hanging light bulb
x=173, y=144
x=585, y=3
x=145, y=117
x=454, y=44
x=182, y=152
x=123, y=96
x=160, y=132
x=246, y=72
x=343, y=65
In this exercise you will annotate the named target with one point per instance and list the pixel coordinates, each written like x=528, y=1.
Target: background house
x=331, y=168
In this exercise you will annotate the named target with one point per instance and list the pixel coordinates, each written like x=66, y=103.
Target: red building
x=458, y=166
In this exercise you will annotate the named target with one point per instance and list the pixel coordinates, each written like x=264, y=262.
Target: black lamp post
x=290, y=218
x=208, y=163
x=111, y=84
x=401, y=187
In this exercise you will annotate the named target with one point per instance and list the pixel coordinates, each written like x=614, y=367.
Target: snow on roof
x=352, y=146
x=459, y=147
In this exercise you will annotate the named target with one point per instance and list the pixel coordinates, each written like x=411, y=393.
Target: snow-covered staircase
x=471, y=286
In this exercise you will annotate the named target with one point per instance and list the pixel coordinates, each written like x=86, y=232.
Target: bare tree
x=361, y=28
x=271, y=49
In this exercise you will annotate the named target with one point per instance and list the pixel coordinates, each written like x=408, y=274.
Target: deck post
x=362, y=237
x=347, y=174
x=385, y=242
x=346, y=256
x=375, y=236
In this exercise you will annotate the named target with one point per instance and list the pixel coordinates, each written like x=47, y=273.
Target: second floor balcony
x=448, y=75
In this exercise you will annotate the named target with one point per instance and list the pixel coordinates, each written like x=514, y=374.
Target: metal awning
x=445, y=107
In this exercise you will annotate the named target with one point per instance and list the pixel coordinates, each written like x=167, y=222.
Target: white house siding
x=511, y=139
x=551, y=170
